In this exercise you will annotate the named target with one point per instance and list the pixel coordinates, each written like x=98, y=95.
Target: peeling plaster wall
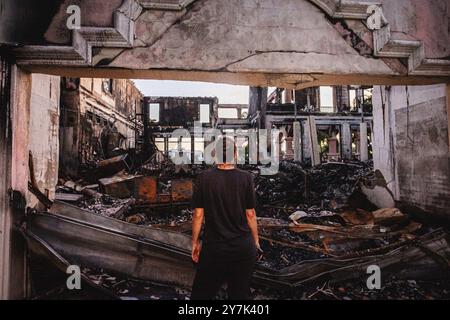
x=44, y=132
x=411, y=145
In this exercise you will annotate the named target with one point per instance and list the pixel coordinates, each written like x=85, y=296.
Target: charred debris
x=128, y=226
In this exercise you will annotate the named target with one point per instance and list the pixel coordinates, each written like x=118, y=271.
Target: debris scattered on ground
x=332, y=212
x=107, y=206
x=277, y=256
x=327, y=186
x=391, y=289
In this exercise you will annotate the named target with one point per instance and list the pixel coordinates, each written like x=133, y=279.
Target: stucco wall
x=424, y=20
x=411, y=145
x=44, y=132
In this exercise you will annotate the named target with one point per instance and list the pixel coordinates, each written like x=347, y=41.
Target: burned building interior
x=363, y=173
x=327, y=210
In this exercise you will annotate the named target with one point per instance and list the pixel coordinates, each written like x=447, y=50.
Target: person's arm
x=253, y=225
x=197, y=221
x=250, y=211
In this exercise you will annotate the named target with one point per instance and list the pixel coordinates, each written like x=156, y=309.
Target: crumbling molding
x=384, y=45
x=175, y=5
x=84, y=39
x=122, y=36
x=413, y=50
x=345, y=9
x=420, y=65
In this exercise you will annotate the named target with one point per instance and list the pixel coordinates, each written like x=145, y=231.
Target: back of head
x=225, y=150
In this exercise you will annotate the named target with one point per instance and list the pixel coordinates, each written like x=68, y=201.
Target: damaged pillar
x=13, y=176
x=148, y=147
x=313, y=144
x=363, y=144
x=44, y=133
x=287, y=95
x=346, y=141
x=333, y=152
x=262, y=94
x=252, y=101
x=306, y=142
x=345, y=99
x=360, y=99
x=297, y=141
x=5, y=175
x=315, y=151
x=258, y=103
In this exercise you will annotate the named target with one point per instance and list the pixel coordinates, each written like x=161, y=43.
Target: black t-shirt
x=225, y=195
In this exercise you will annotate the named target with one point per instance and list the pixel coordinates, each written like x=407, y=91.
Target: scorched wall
x=411, y=145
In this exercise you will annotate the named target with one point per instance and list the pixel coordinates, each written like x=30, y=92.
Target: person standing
x=224, y=199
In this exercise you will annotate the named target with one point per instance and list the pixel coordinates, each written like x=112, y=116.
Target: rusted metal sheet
x=182, y=190
x=93, y=246
x=177, y=240
x=146, y=189
x=43, y=249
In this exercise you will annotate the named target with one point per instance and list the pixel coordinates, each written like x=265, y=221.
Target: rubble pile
x=163, y=218
x=308, y=220
x=295, y=198
x=107, y=206
x=327, y=186
x=314, y=190
x=168, y=169
x=277, y=256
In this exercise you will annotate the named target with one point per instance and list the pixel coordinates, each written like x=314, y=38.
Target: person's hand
x=196, y=248
x=259, y=251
